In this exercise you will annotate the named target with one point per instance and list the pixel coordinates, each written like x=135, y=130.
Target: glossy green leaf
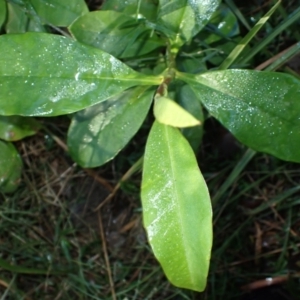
x=260, y=108
x=168, y=112
x=176, y=208
x=135, y=8
x=116, y=33
x=14, y=128
x=10, y=167
x=20, y=21
x=99, y=132
x=185, y=18
x=190, y=102
x=45, y=74
x=58, y=12
x=2, y=12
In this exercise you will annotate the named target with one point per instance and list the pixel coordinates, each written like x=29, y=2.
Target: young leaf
x=98, y=133
x=168, y=112
x=116, y=33
x=14, y=128
x=185, y=18
x=260, y=108
x=10, y=167
x=176, y=208
x=45, y=74
x=59, y=13
x=2, y=12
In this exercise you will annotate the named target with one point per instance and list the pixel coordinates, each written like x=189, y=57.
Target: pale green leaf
x=10, y=167
x=261, y=109
x=98, y=133
x=176, y=208
x=45, y=74
x=168, y=112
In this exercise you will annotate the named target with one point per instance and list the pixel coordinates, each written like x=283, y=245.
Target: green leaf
x=20, y=21
x=223, y=24
x=185, y=18
x=10, y=167
x=2, y=12
x=58, y=12
x=98, y=133
x=135, y=8
x=116, y=33
x=176, y=208
x=14, y=128
x=261, y=109
x=189, y=101
x=168, y=112
x=45, y=74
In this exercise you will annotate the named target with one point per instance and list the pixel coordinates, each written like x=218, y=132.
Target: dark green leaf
x=116, y=33
x=98, y=133
x=10, y=167
x=223, y=24
x=2, y=12
x=135, y=8
x=185, y=18
x=58, y=12
x=14, y=128
x=20, y=21
x=260, y=108
x=176, y=208
x=44, y=74
x=189, y=101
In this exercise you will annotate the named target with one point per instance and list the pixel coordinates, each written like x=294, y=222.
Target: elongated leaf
x=176, y=208
x=168, y=112
x=58, y=12
x=260, y=108
x=19, y=20
x=116, y=33
x=44, y=74
x=135, y=8
x=98, y=133
x=2, y=12
x=14, y=128
x=185, y=18
x=10, y=167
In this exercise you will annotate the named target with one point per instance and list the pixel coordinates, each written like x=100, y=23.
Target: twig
x=272, y=59
x=111, y=283
x=267, y=282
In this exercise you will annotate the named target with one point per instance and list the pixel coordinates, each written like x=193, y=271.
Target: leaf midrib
x=177, y=197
